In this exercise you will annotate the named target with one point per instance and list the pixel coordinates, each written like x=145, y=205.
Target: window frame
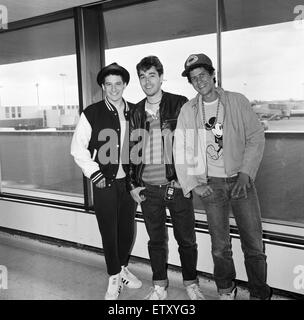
x=84, y=17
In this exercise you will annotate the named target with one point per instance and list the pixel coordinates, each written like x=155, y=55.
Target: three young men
x=219, y=165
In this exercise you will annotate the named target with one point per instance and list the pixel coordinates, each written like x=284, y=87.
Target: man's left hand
x=242, y=183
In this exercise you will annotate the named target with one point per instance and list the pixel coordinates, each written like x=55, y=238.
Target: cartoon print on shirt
x=215, y=151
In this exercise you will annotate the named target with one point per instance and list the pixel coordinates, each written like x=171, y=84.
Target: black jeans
x=182, y=214
x=115, y=213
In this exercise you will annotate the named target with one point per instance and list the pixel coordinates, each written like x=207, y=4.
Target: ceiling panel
x=140, y=23
x=24, y=9
x=44, y=41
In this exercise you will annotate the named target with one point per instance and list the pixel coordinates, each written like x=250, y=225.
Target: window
x=35, y=148
x=192, y=30
x=172, y=40
x=262, y=52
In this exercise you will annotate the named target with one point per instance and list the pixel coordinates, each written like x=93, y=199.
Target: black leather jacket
x=169, y=109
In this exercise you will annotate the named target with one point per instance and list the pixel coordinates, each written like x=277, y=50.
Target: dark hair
x=207, y=67
x=149, y=62
x=114, y=73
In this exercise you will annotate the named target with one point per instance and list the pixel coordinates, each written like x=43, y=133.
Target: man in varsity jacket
x=153, y=180
x=100, y=148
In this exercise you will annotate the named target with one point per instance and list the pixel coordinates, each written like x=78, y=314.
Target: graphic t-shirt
x=214, y=139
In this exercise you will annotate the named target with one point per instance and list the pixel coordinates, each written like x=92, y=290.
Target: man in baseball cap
x=196, y=60
x=230, y=143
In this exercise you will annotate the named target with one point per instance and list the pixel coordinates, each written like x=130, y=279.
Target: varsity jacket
x=243, y=140
x=96, y=145
x=169, y=109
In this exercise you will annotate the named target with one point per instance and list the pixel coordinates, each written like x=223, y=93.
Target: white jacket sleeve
x=190, y=162
x=79, y=147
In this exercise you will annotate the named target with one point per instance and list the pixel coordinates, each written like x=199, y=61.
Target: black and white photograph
x=152, y=150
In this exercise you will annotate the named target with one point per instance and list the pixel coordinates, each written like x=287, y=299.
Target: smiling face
x=114, y=87
x=203, y=83
x=150, y=81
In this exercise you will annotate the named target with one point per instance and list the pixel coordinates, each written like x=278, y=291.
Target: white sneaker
x=114, y=288
x=229, y=296
x=129, y=280
x=157, y=293
x=194, y=292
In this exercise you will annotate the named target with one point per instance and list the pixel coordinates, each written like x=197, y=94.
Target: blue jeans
x=246, y=211
x=183, y=221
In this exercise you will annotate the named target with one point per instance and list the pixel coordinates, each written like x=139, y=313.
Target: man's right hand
x=101, y=184
x=136, y=196
x=203, y=190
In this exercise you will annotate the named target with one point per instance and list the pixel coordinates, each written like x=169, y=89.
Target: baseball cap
x=196, y=60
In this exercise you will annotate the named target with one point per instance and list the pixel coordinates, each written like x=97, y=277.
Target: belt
x=219, y=179
x=156, y=185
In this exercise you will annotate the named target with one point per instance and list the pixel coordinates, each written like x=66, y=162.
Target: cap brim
x=184, y=73
x=191, y=67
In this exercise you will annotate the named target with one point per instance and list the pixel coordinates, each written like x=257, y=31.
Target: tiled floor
x=42, y=271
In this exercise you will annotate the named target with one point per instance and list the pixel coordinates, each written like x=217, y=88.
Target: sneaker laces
x=155, y=294
x=129, y=279
x=194, y=292
x=230, y=295
x=127, y=275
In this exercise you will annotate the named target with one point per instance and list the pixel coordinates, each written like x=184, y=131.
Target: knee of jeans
x=254, y=254
x=224, y=252
x=187, y=244
x=157, y=244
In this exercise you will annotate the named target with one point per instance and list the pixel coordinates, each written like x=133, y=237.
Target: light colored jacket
x=243, y=140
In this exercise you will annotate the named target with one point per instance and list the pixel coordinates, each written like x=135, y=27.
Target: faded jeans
x=246, y=211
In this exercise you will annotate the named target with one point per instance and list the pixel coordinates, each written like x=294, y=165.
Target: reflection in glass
x=36, y=118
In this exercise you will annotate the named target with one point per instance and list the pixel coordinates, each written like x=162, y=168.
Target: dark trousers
x=182, y=214
x=115, y=213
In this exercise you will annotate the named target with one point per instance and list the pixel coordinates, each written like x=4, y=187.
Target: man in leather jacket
x=153, y=180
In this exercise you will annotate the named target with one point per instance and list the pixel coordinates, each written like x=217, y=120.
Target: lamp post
x=37, y=91
x=63, y=75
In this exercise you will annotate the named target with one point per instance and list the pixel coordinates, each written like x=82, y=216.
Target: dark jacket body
x=103, y=120
x=169, y=109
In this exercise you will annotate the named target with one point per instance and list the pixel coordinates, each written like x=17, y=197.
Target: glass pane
x=265, y=63
x=262, y=52
x=38, y=81
x=169, y=29
x=280, y=179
